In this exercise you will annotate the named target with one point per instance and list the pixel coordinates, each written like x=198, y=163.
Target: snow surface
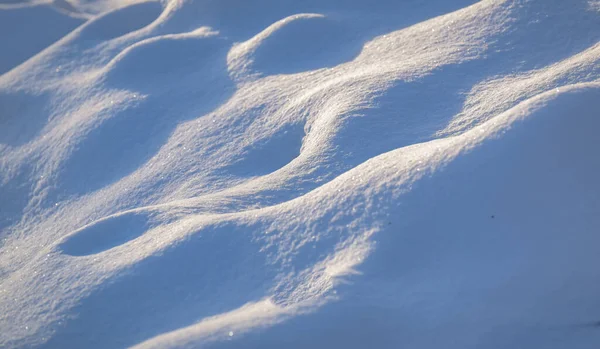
x=300, y=174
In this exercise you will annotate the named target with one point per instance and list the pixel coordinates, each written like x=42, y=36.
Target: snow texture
x=300, y=174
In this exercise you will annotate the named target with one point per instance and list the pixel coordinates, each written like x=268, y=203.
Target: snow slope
x=278, y=173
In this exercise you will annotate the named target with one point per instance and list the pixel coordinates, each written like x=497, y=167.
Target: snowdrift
x=267, y=174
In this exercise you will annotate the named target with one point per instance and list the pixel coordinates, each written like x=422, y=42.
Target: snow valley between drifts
x=300, y=174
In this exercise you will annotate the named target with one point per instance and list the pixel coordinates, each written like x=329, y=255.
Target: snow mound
x=267, y=174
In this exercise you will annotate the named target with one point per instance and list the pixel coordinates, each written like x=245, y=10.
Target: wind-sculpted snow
x=292, y=174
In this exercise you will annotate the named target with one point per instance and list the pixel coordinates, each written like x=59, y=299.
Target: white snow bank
x=290, y=174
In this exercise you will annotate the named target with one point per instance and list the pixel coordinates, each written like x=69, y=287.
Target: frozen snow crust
x=295, y=174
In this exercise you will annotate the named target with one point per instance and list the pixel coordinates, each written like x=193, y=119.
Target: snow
x=278, y=173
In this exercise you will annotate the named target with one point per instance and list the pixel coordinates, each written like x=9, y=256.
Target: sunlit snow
x=300, y=174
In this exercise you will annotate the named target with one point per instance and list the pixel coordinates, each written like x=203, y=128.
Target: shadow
x=121, y=21
x=404, y=114
x=20, y=121
x=184, y=78
x=22, y=116
x=13, y=2
x=14, y=197
x=28, y=30
x=106, y=233
x=338, y=325
x=538, y=37
x=218, y=269
x=270, y=154
x=317, y=43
